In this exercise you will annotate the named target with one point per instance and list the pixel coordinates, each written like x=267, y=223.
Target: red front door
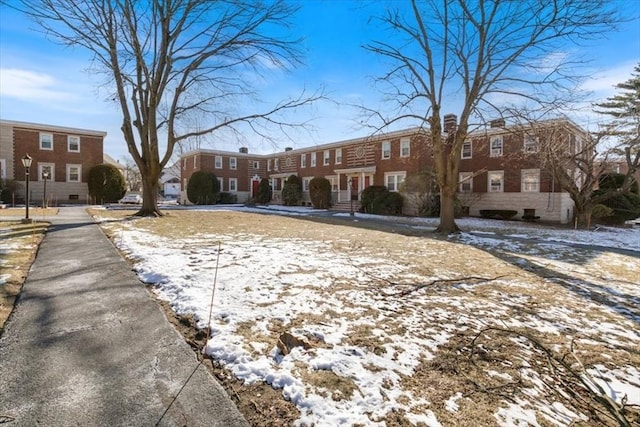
x=254, y=188
x=354, y=188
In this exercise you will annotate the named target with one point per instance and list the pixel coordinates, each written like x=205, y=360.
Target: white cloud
x=604, y=80
x=30, y=86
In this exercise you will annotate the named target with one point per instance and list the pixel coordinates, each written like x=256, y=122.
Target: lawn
x=357, y=325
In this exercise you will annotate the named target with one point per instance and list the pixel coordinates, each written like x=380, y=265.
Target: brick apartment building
x=64, y=155
x=499, y=168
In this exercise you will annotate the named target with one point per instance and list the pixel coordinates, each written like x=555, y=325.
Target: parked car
x=131, y=198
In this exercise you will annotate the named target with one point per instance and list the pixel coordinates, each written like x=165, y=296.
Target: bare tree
x=132, y=175
x=168, y=59
x=479, y=54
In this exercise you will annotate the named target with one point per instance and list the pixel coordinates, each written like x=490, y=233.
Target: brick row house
x=61, y=155
x=500, y=168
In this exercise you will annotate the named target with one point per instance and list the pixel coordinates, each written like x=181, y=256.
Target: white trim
x=52, y=166
x=407, y=142
x=40, y=141
x=530, y=186
x=233, y=181
x=470, y=143
x=217, y=162
x=396, y=182
x=495, y=152
x=465, y=178
x=326, y=158
x=496, y=173
x=69, y=137
x=314, y=159
x=386, y=150
x=233, y=165
x=338, y=159
x=69, y=166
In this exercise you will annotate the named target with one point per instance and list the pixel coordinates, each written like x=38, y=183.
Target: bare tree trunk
x=447, y=210
x=149, y=196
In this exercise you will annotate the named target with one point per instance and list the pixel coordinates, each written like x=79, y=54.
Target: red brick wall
x=27, y=141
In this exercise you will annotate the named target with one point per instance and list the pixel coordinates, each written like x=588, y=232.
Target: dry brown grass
x=22, y=241
x=513, y=296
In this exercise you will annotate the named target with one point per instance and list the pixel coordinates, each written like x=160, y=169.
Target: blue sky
x=43, y=82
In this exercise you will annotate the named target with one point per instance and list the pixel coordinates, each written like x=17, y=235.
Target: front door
x=354, y=188
x=254, y=188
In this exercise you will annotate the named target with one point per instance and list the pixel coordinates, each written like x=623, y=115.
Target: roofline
x=337, y=144
x=61, y=129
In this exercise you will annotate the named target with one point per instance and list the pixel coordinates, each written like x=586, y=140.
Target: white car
x=131, y=198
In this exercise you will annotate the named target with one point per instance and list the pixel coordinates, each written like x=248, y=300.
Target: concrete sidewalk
x=87, y=345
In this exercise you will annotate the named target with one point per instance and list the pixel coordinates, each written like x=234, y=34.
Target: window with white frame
x=276, y=164
x=73, y=143
x=303, y=160
x=405, y=147
x=313, y=159
x=74, y=173
x=338, y=156
x=195, y=163
x=49, y=169
x=221, y=183
x=233, y=163
x=256, y=164
x=233, y=185
x=465, y=179
x=46, y=141
x=496, y=146
x=269, y=165
x=305, y=183
x=334, y=183
x=394, y=180
x=217, y=164
x=496, y=181
x=327, y=157
x=386, y=149
x=530, y=144
x=530, y=180
x=466, y=150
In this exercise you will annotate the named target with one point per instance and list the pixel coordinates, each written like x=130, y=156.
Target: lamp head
x=26, y=161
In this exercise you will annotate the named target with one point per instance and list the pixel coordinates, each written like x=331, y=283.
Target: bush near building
x=106, y=184
x=624, y=206
x=264, y=192
x=320, y=192
x=377, y=199
x=203, y=188
x=292, y=191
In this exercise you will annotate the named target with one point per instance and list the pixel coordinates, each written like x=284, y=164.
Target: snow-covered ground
x=366, y=339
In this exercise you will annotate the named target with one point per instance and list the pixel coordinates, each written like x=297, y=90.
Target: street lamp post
x=45, y=176
x=26, y=162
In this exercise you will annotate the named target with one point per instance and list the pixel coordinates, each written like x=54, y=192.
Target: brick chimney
x=450, y=123
x=288, y=148
x=497, y=123
x=244, y=150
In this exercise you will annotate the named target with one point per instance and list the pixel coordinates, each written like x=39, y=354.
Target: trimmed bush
x=227, y=198
x=320, y=192
x=264, y=192
x=203, y=188
x=106, y=184
x=376, y=199
x=498, y=213
x=8, y=188
x=292, y=191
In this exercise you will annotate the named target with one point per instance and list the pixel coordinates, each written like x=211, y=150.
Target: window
x=466, y=182
x=530, y=180
x=305, y=183
x=73, y=144
x=394, y=180
x=46, y=141
x=233, y=185
x=233, y=163
x=405, y=147
x=334, y=183
x=74, y=173
x=338, y=156
x=327, y=157
x=303, y=160
x=221, y=183
x=496, y=146
x=48, y=168
x=386, y=150
x=218, y=163
x=256, y=164
x=313, y=159
x=194, y=161
x=496, y=181
x=530, y=144
x=269, y=165
x=276, y=164
x=466, y=150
